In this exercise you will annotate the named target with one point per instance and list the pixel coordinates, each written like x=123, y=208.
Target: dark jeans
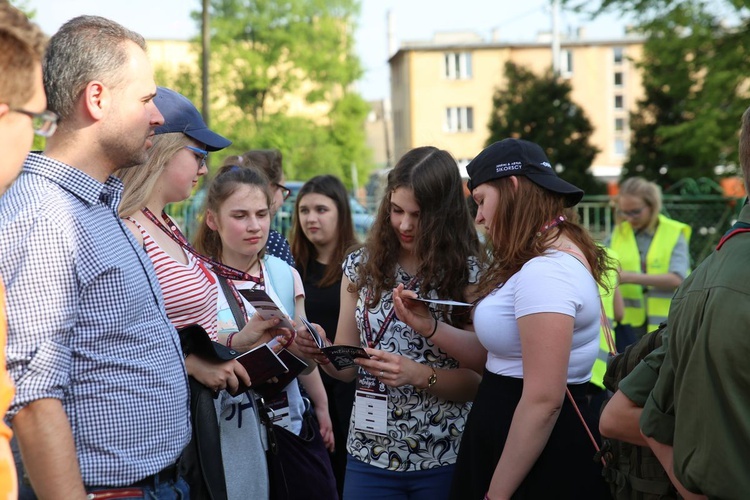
x=160, y=490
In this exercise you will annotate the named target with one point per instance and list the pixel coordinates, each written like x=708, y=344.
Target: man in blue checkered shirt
x=101, y=399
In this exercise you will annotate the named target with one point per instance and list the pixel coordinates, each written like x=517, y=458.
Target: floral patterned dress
x=424, y=431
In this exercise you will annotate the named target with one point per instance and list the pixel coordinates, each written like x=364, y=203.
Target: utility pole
x=206, y=46
x=556, y=37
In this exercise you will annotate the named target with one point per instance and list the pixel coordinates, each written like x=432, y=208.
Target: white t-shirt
x=556, y=282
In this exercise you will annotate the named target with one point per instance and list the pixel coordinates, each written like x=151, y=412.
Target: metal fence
x=710, y=216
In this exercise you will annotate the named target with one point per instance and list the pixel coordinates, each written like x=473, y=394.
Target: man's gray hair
x=86, y=48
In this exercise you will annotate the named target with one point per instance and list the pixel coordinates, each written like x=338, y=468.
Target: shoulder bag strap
x=239, y=318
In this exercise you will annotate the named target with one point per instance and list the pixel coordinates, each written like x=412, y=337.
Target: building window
x=618, y=79
x=566, y=62
x=617, y=52
x=619, y=102
x=620, y=147
x=619, y=124
x=459, y=119
x=457, y=65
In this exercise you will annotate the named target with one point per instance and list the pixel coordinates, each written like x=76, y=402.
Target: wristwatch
x=433, y=378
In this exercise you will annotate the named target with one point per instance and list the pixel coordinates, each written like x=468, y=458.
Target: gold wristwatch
x=433, y=378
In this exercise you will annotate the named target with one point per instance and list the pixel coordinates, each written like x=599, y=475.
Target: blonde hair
x=648, y=191
x=140, y=180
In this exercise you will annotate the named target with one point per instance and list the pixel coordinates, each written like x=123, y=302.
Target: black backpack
x=633, y=472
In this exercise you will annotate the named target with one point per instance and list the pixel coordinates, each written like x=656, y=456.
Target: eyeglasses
x=201, y=154
x=631, y=213
x=44, y=123
x=285, y=191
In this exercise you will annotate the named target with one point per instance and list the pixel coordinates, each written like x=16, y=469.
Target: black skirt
x=566, y=466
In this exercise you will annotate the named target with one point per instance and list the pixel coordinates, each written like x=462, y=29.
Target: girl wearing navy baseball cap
x=538, y=318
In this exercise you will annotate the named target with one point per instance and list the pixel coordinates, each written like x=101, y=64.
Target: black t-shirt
x=321, y=304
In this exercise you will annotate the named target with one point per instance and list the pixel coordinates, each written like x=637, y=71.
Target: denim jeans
x=166, y=490
x=367, y=482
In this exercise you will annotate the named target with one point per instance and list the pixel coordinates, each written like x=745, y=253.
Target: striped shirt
x=87, y=326
x=189, y=290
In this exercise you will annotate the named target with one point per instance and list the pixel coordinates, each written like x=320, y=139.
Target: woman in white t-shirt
x=538, y=317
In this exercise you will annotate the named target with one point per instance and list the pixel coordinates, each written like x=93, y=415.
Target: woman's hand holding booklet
x=340, y=356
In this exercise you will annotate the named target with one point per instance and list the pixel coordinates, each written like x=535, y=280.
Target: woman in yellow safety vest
x=653, y=251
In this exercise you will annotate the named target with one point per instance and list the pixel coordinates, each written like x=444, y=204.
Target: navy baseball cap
x=181, y=115
x=518, y=157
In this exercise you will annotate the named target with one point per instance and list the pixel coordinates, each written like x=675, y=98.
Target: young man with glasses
x=101, y=403
x=22, y=97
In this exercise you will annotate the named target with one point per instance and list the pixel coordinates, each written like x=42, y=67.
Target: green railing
x=710, y=216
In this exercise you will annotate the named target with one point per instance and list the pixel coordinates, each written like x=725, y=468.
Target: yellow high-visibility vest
x=656, y=307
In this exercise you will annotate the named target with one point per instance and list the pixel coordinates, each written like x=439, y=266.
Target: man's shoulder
x=33, y=199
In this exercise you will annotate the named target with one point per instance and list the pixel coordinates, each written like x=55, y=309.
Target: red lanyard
x=228, y=272
x=372, y=342
x=217, y=267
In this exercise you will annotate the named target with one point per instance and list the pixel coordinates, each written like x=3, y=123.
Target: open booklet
x=266, y=307
x=295, y=366
x=340, y=356
x=263, y=365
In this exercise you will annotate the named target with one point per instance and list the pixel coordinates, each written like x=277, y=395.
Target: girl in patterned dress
x=423, y=239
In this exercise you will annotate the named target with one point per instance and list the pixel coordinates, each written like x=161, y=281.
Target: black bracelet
x=433, y=330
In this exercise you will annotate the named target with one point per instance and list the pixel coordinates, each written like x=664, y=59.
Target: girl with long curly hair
x=412, y=397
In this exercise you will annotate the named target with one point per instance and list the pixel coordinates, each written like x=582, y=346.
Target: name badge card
x=371, y=408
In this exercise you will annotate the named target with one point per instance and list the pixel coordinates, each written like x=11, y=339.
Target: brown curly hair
x=445, y=240
x=514, y=235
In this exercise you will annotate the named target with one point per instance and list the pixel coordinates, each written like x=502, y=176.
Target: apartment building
x=442, y=89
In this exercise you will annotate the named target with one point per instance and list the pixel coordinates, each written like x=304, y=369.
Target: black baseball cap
x=518, y=157
x=181, y=115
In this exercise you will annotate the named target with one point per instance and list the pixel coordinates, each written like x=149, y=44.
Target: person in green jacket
x=653, y=252
x=697, y=417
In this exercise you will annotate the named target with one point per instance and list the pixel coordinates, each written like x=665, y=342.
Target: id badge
x=371, y=407
x=280, y=407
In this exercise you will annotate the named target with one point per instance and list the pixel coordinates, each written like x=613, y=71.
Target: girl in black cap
x=538, y=318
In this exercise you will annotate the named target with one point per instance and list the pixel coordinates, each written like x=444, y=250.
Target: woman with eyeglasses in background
x=268, y=161
x=653, y=252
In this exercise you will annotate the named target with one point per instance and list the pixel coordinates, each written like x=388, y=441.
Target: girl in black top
x=322, y=233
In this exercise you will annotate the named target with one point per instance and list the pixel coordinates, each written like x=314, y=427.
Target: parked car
x=361, y=218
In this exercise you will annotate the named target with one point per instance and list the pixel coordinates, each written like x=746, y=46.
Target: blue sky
x=413, y=20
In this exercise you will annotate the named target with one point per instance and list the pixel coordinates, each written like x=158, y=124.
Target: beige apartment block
x=441, y=90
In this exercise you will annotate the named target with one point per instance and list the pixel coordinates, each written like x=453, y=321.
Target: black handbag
x=299, y=467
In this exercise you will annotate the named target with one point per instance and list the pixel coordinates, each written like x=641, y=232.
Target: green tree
x=695, y=83
x=266, y=57
x=539, y=109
